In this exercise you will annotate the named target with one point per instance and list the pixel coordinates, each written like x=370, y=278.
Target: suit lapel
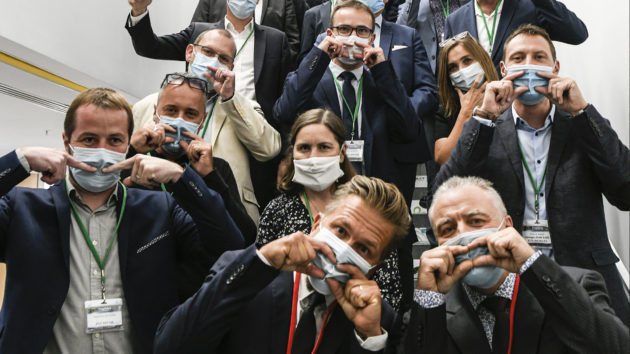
x=326, y=11
x=509, y=8
x=369, y=97
x=260, y=39
x=386, y=38
x=218, y=119
x=62, y=208
x=559, y=137
x=264, y=11
x=281, y=297
x=337, y=324
x=528, y=320
x=329, y=89
x=470, y=20
x=463, y=324
x=507, y=135
x=124, y=233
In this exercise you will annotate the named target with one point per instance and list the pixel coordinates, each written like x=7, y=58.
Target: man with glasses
x=373, y=104
x=92, y=265
x=178, y=122
x=261, y=62
x=233, y=124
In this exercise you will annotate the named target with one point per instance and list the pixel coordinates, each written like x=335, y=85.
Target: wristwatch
x=481, y=113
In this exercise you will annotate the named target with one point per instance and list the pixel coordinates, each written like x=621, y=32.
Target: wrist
x=581, y=110
x=482, y=112
x=373, y=331
x=135, y=12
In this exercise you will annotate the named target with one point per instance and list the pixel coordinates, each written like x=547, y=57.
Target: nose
x=463, y=227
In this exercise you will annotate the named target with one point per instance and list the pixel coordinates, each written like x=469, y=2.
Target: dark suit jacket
x=585, y=159
x=244, y=306
x=279, y=14
x=561, y=23
x=316, y=20
x=155, y=236
x=388, y=116
x=558, y=310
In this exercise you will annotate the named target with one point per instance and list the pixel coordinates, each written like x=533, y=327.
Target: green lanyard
x=203, y=134
x=243, y=46
x=97, y=258
x=533, y=182
x=161, y=184
x=332, y=4
x=446, y=10
x=494, y=24
x=308, y=208
x=356, y=107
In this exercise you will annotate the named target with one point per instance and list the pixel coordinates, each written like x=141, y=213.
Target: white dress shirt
x=358, y=73
x=482, y=34
x=258, y=12
x=378, y=22
x=244, y=62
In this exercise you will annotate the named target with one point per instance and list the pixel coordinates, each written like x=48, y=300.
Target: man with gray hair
x=486, y=290
x=299, y=293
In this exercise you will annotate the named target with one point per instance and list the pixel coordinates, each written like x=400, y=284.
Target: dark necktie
x=350, y=98
x=500, y=307
x=304, y=337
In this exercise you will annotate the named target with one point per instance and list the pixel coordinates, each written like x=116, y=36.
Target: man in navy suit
x=92, y=264
x=265, y=301
x=478, y=18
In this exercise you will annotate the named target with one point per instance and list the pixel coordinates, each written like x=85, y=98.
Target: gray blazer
x=586, y=158
x=417, y=14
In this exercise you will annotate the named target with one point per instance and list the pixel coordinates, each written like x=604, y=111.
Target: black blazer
x=244, y=306
x=278, y=14
x=561, y=23
x=271, y=52
x=558, y=310
x=316, y=20
x=586, y=159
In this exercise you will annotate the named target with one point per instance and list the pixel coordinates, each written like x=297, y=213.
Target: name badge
x=104, y=315
x=536, y=233
x=354, y=150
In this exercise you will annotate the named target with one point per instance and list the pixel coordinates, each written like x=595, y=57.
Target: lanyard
x=332, y=4
x=356, y=107
x=243, y=46
x=494, y=23
x=533, y=182
x=97, y=258
x=446, y=10
x=512, y=308
x=296, y=288
x=308, y=208
x=203, y=134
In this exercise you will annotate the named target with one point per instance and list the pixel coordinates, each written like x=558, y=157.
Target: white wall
x=85, y=41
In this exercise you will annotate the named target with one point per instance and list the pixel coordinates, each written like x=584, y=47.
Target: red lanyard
x=296, y=288
x=512, y=307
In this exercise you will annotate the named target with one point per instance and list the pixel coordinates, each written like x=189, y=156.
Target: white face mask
x=317, y=173
x=351, y=50
x=100, y=158
x=464, y=78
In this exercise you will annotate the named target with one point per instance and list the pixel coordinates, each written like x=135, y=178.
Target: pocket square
x=398, y=46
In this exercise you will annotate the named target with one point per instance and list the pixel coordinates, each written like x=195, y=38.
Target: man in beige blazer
x=235, y=125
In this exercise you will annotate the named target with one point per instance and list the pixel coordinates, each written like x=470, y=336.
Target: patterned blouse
x=287, y=214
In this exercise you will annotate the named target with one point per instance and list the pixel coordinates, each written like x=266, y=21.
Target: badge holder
x=536, y=233
x=354, y=152
x=104, y=315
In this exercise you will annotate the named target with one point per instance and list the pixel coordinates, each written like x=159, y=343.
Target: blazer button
x=546, y=278
x=51, y=311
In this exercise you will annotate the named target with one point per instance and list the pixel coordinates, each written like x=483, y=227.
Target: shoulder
x=270, y=31
x=399, y=29
x=465, y=10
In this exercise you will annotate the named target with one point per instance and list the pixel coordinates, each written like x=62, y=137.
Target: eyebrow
x=475, y=212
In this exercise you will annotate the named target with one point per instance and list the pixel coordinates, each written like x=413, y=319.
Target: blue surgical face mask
x=480, y=277
x=100, y=158
x=200, y=65
x=344, y=254
x=464, y=78
x=374, y=5
x=242, y=9
x=530, y=80
x=180, y=125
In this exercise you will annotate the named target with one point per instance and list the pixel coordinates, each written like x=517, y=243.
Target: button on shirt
x=244, y=62
x=85, y=283
x=535, y=146
x=358, y=73
x=482, y=34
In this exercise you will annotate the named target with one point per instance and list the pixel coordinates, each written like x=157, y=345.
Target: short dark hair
x=220, y=31
x=104, y=98
x=354, y=4
x=530, y=30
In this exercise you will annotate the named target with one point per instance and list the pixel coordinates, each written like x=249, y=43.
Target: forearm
x=561, y=23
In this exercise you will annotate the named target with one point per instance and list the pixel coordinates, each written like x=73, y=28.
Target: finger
x=352, y=270
x=362, y=45
x=458, y=249
x=513, y=76
x=461, y=269
x=323, y=248
x=167, y=128
x=337, y=290
x=546, y=75
x=544, y=91
x=127, y=182
x=477, y=81
x=184, y=144
x=520, y=90
x=122, y=165
x=72, y=162
x=481, y=241
x=192, y=135
x=312, y=270
x=484, y=260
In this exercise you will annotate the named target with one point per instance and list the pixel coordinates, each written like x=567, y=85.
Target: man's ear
x=316, y=220
x=156, y=120
x=66, y=142
x=190, y=53
x=329, y=32
x=556, y=67
x=503, y=68
x=508, y=221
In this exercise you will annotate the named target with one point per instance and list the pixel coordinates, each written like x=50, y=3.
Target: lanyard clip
x=103, y=284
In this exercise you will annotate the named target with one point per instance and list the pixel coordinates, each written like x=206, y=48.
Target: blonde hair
x=382, y=197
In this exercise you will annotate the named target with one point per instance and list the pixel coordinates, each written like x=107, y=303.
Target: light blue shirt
x=534, y=144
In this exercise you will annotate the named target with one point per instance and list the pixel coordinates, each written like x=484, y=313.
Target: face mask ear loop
x=501, y=224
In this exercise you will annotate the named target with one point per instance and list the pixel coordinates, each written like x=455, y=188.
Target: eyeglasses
x=193, y=82
x=209, y=52
x=361, y=31
x=456, y=37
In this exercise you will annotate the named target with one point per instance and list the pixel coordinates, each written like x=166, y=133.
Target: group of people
x=247, y=207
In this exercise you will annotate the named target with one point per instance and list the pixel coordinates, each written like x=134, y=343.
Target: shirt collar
x=74, y=195
x=478, y=12
x=378, y=21
x=337, y=70
x=505, y=290
x=230, y=27
x=548, y=120
x=306, y=289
